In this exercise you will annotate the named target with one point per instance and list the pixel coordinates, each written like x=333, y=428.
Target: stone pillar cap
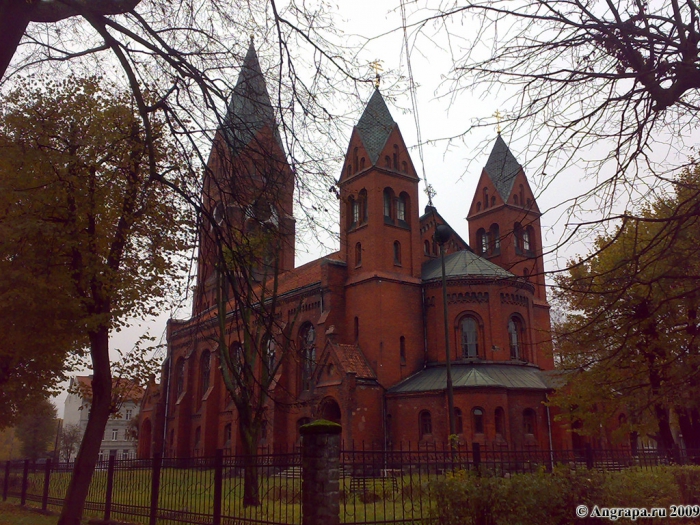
x=320, y=426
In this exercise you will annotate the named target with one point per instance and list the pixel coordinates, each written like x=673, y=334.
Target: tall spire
x=250, y=108
x=375, y=125
x=502, y=168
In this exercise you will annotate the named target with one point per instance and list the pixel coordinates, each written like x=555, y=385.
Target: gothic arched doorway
x=330, y=410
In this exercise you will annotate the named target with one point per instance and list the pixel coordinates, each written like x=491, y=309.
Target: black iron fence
x=172, y=490
x=375, y=485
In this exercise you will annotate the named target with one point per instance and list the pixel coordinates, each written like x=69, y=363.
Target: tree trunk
x=89, y=450
x=251, y=486
x=666, y=442
x=689, y=421
x=14, y=19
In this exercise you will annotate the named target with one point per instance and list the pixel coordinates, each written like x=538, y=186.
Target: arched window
x=478, y=206
x=518, y=233
x=362, y=163
x=402, y=349
x=495, y=235
x=402, y=207
x=388, y=205
x=397, y=253
x=426, y=247
x=478, y=416
x=307, y=341
x=515, y=200
x=396, y=157
x=227, y=436
x=486, y=198
x=500, y=422
x=529, y=421
x=180, y=377
x=482, y=242
x=425, y=424
x=356, y=210
x=529, y=240
x=522, y=195
x=348, y=170
x=470, y=337
x=270, y=348
x=204, y=372
x=526, y=240
x=493, y=201
x=404, y=166
x=354, y=156
x=235, y=352
x=358, y=254
x=387, y=161
x=218, y=213
x=362, y=198
x=515, y=337
x=459, y=423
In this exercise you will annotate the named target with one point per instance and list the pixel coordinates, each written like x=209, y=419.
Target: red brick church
x=371, y=324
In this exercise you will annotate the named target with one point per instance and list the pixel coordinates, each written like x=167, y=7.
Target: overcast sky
x=451, y=167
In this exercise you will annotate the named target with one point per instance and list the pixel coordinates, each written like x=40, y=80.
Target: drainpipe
x=164, y=442
x=549, y=433
x=425, y=331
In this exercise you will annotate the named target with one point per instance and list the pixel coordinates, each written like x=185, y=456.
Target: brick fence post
x=320, y=472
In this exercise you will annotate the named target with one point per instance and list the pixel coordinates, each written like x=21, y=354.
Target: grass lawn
x=11, y=514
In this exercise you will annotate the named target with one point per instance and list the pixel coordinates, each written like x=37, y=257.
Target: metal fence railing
x=376, y=484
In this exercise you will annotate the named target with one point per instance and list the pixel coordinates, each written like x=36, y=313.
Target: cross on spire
x=498, y=116
x=376, y=65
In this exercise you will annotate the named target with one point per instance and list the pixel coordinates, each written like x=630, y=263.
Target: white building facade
x=119, y=439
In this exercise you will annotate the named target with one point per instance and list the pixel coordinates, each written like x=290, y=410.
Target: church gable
x=394, y=155
x=338, y=360
x=486, y=195
x=377, y=141
x=521, y=194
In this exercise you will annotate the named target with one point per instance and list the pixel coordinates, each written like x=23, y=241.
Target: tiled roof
x=480, y=375
x=353, y=360
x=375, y=125
x=125, y=387
x=462, y=264
x=502, y=168
x=250, y=109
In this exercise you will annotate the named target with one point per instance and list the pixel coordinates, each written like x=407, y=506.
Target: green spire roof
x=463, y=263
x=375, y=125
x=250, y=108
x=502, y=168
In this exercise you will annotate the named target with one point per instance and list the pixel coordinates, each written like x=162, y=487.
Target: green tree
x=36, y=429
x=75, y=179
x=69, y=441
x=631, y=329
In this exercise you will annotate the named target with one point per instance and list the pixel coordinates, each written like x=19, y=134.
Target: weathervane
x=430, y=192
x=498, y=116
x=377, y=66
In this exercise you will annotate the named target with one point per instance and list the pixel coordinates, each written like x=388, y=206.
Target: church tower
x=504, y=220
x=380, y=242
x=504, y=227
x=248, y=185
